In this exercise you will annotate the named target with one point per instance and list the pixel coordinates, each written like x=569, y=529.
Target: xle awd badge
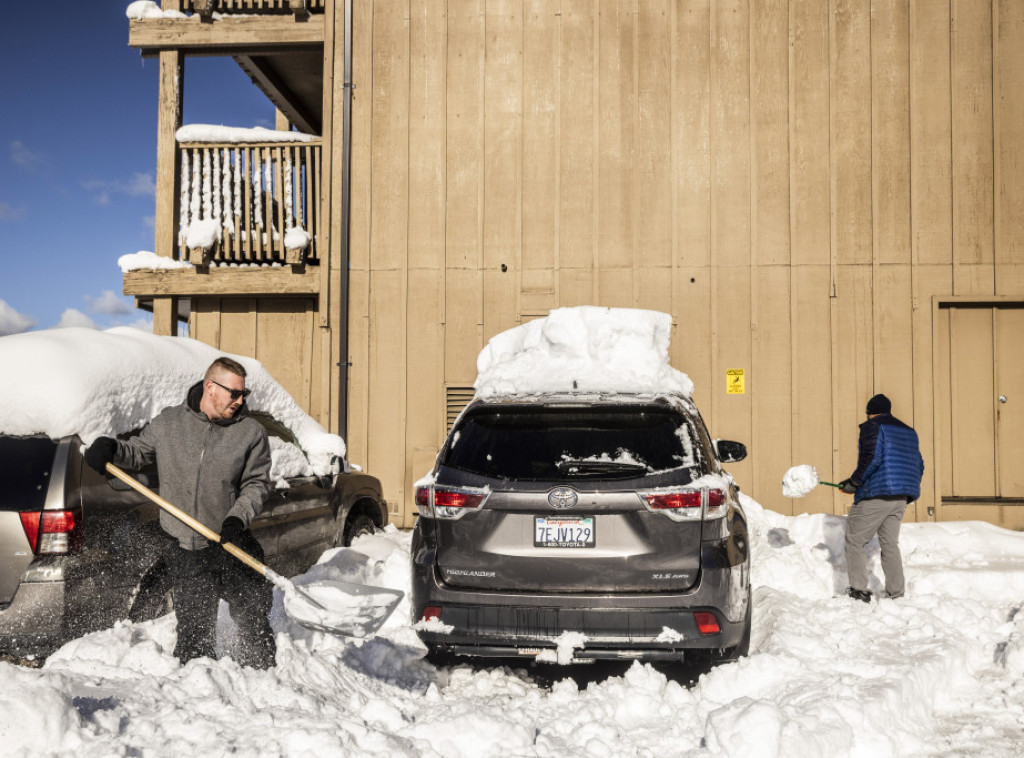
x=562, y=497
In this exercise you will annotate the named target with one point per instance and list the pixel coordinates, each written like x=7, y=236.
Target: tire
x=154, y=598
x=358, y=525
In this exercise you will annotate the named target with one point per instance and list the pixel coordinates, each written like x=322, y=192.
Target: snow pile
x=799, y=481
x=36, y=714
x=81, y=381
x=296, y=238
x=583, y=349
x=203, y=233
x=147, y=261
x=565, y=646
x=149, y=9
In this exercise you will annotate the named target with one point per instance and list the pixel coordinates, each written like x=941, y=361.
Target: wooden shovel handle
x=179, y=514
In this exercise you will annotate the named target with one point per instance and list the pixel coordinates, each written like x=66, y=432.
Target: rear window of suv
x=545, y=442
x=25, y=465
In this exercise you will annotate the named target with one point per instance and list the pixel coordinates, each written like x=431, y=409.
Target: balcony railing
x=250, y=202
x=299, y=7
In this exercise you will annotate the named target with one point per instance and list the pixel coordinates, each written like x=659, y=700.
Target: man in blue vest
x=888, y=477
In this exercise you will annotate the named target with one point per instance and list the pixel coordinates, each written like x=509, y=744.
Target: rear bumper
x=32, y=623
x=643, y=626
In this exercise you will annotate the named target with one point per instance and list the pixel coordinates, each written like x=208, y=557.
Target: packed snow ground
x=938, y=672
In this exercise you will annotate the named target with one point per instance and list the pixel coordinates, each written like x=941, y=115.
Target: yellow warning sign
x=735, y=382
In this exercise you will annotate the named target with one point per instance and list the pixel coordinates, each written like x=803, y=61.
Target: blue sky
x=78, y=116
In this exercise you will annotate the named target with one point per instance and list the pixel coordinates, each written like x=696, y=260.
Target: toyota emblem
x=563, y=497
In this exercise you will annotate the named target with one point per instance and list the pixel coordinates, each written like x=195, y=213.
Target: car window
x=558, y=443
x=25, y=467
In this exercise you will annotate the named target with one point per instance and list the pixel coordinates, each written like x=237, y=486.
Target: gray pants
x=868, y=517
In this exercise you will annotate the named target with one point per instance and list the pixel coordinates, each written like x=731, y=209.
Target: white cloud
x=26, y=158
x=109, y=304
x=72, y=317
x=140, y=185
x=10, y=213
x=12, y=322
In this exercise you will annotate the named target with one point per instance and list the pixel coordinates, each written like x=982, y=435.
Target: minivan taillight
x=686, y=504
x=448, y=502
x=49, y=532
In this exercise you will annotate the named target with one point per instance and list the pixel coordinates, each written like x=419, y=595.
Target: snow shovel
x=343, y=608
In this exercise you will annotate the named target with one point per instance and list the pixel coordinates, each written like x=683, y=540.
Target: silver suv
x=607, y=516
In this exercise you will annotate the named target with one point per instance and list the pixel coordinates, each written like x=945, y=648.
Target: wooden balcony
x=249, y=202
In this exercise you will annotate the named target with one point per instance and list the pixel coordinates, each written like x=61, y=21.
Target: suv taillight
x=448, y=502
x=49, y=532
x=687, y=504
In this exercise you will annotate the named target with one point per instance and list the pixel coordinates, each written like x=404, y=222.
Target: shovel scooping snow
x=800, y=480
x=344, y=608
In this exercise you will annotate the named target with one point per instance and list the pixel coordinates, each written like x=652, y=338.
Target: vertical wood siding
x=793, y=180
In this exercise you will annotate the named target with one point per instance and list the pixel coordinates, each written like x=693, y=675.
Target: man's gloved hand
x=849, y=486
x=100, y=453
x=231, y=529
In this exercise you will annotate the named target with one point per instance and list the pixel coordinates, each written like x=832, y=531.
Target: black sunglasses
x=235, y=394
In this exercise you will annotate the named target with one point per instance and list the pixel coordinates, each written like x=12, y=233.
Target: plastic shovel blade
x=343, y=608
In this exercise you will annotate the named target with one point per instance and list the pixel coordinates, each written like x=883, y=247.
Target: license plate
x=563, y=531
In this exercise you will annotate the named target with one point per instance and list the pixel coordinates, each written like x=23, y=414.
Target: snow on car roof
x=583, y=349
x=93, y=383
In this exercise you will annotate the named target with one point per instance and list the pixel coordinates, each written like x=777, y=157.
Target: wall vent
x=456, y=398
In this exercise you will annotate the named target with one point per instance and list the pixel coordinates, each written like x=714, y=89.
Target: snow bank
x=583, y=349
x=82, y=381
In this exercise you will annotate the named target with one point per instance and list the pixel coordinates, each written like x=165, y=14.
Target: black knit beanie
x=879, y=404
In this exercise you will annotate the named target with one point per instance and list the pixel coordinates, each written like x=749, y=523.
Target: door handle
x=1002, y=399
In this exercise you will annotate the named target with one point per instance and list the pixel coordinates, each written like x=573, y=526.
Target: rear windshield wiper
x=590, y=467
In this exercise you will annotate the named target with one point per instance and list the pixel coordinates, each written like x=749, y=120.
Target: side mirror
x=729, y=451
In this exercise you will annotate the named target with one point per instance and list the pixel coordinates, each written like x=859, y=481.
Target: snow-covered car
x=604, y=518
x=80, y=550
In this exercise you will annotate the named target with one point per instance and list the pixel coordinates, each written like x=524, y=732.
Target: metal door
x=980, y=397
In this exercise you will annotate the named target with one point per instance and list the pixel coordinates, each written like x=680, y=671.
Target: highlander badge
x=562, y=497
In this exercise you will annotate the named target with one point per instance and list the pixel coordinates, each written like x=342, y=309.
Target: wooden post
x=168, y=170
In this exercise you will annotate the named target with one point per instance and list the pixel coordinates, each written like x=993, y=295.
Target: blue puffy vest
x=890, y=462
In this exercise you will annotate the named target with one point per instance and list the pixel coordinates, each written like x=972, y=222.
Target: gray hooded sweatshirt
x=208, y=469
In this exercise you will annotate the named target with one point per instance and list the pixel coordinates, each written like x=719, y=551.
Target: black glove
x=100, y=453
x=231, y=529
x=849, y=486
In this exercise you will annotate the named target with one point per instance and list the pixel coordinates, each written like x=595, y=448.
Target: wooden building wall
x=805, y=185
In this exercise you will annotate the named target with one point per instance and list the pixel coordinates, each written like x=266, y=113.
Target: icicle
x=238, y=185
x=215, y=176
x=269, y=181
x=289, y=216
x=225, y=183
x=207, y=200
x=195, y=199
x=257, y=190
x=183, y=199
